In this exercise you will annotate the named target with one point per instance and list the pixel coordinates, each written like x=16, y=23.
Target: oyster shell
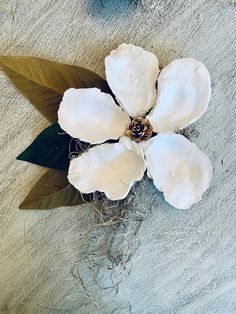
x=91, y=116
x=184, y=91
x=178, y=169
x=108, y=168
x=131, y=73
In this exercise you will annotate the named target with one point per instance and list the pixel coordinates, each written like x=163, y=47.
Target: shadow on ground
x=107, y=8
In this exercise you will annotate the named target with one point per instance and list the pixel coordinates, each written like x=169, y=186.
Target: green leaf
x=54, y=190
x=50, y=149
x=43, y=82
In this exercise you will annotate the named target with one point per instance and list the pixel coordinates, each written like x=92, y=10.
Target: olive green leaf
x=54, y=190
x=50, y=149
x=43, y=82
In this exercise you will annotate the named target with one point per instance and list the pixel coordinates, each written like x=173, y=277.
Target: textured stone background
x=186, y=260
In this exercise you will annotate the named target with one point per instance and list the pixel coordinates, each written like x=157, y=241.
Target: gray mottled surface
x=186, y=260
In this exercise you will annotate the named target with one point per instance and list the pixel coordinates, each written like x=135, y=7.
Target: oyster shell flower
x=178, y=168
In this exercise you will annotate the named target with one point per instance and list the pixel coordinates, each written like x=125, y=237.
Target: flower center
x=139, y=129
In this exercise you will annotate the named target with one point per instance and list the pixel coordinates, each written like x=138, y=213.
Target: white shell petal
x=132, y=74
x=91, y=116
x=178, y=168
x=184, y=91
x=108, y=168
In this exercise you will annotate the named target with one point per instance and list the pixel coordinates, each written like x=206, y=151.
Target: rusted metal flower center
x=139, y=129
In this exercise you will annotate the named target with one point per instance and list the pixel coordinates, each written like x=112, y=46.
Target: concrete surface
x=185, y=261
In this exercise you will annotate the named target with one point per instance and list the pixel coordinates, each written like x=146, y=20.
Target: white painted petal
x=108, y=168
x=132, y=74
x=184, y=91
x=91, y=116
x=178, y=169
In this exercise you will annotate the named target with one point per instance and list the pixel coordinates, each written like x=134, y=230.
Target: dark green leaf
x=50, y=149
x=53, y=190
x=43, y=82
